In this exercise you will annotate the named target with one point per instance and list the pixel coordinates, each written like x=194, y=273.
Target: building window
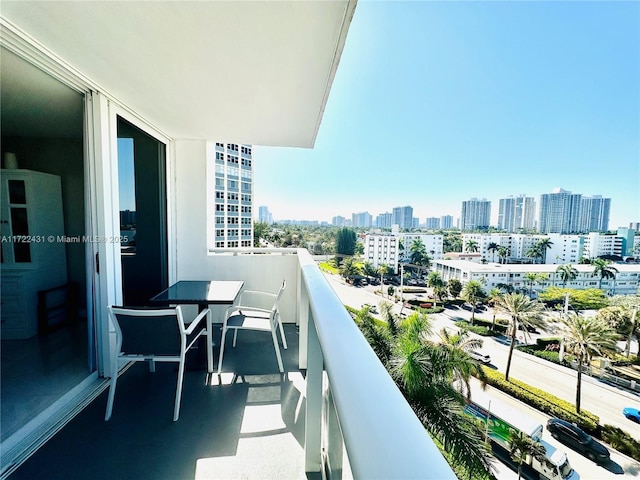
x=232, y=184
x=219, y=182
x=219, y=220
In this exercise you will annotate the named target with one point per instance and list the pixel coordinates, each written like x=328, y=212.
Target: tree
x=383, y=269
x=503, y=253
x=493, y=248
x=495, y=294
x=471, y=246
x=631, y=306
x=531, y=279
x=260, y=231
x=418, y=251
x=349, y=269
x=586, y=299
x=368, y=270
x=543, y=245
x=455, y=287
x=345, y=241
x=603, y=269
x=534, y=252
x=521, y=446
x=424, y=372
x=584, y=336
x=472, y=293
x=522, y=312
x=568, y=273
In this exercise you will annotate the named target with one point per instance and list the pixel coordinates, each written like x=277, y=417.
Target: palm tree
x=543, y=245
x=584, y=336
x=523, y=312
x=567, y=272
x=435, y=281
x=349, y=269
x=531, y=278
x=473, y=293
x=418, y=251
x=471, y=246
x=521, y=446
x=494, y=295
x=460, y=345
x=383, y=269
x=368, y=270
x=630, y=303
x=603, y=269
x=503, y=253
x=425, y=372
x=534, y=252
x=493, y=248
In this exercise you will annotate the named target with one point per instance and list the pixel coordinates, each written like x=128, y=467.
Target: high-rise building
x=230, y=202
x=403, y=217
x=337, y=221
x=559, y=212
x=432, y=223
x=594, y=214
x=362, y=219
x=476, y=214
x=446, y=221
x=384, y=220
x=517, y=213
x=566, y=212
x=264, y=215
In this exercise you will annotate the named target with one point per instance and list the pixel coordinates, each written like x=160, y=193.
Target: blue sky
x=437, y=102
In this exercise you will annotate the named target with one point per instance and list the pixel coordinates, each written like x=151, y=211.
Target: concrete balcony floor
x=249, y=424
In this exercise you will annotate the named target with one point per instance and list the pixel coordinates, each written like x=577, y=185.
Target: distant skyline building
x=517, y=213
x=384, y=220
x=559, y=212
x=338, y=221
x=403, y=217
x=432, y=223
x=565, y=212
x=446, y=221
x=476, y=214
x=594, y=214
x=362, y=219
x=264, y=215
x=230, y=202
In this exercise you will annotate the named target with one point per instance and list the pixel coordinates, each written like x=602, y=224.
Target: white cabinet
x=33, y=254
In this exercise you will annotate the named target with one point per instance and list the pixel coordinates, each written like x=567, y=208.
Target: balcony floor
x=251, y=426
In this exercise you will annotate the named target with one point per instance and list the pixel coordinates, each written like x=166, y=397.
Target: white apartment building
x=598, y=244
x=229, y=196
x=433, y=244
x=495, y=275
x=382, y=249
x=517, y=213
x=476, y=214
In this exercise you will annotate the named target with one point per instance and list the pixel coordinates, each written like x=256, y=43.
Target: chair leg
x=277, y=349
x=152, y=365
x=112, y=394
x=235, y=336
x=224, y=334
x=176, y=409
x=284, y=340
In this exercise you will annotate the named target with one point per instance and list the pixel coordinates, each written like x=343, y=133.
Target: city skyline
x=438, y=102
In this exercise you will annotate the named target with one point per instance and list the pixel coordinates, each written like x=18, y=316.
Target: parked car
x=575, y=438
x=632, y=414
x=479, y=356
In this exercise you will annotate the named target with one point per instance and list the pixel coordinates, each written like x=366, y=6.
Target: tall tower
x=594, y=214
x=230, y=198
x=517, y=213
x=403, y=217
x=560, y=212
x=476, y=214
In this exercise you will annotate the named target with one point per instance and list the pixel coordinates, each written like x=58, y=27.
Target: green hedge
x=543, y=401
x=621, y=441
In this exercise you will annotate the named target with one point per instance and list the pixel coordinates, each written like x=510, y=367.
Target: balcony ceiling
x=249, y=72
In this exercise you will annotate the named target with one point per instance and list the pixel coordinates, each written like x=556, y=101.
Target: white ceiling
x=250, y=72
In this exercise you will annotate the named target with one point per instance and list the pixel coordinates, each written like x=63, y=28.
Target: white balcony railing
x=350, y=396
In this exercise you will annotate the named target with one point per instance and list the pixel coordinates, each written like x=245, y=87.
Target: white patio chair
x=245, y=316
x=154, y=335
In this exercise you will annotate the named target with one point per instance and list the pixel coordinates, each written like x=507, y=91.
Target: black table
x=201, y=293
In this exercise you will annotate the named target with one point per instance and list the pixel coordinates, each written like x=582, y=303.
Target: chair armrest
x=194, y=324
x=256, y=292
x=246, y=308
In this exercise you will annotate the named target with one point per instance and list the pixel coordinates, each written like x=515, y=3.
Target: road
x=602, y=399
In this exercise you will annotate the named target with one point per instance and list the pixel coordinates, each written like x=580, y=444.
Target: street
x=599, y=398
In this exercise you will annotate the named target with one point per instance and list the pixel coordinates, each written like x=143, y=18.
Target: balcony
x=335, y=412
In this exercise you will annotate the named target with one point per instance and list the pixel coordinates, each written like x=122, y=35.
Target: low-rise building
x=494, y=275
x=382, y=249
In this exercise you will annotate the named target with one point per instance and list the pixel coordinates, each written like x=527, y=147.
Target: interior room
x=44, y=330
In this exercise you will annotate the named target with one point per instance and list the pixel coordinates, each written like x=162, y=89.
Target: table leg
x=209, y=343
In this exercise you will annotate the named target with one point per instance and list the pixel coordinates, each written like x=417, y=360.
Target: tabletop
x=218, y=292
